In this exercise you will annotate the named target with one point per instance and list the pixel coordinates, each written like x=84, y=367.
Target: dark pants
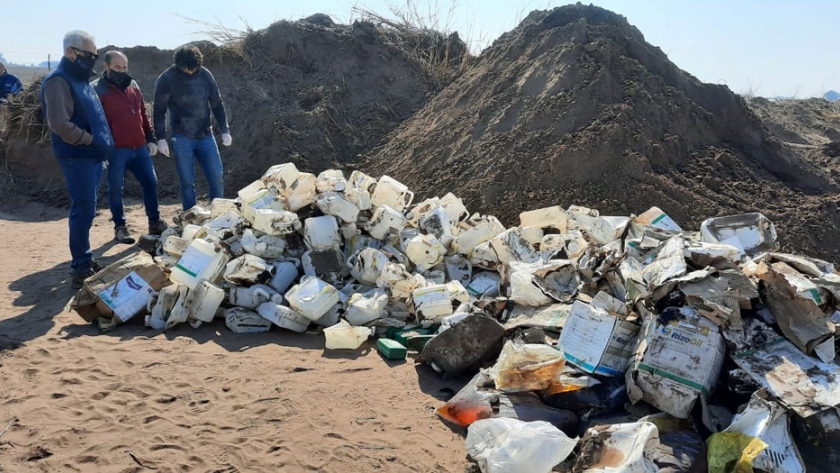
x=138, y=161
x=82, y=176
x=206, y=152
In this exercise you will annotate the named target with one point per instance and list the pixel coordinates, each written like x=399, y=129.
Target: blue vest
x=87, y=114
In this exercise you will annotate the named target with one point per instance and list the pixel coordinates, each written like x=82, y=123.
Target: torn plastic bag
x=527, y=367
x=479, y=400
x=513, y=446
x=618, y=448
x=757, y=439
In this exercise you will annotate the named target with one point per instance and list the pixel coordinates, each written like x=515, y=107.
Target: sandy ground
x=136, y=400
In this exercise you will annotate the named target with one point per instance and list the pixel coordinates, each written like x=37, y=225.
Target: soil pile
x=575, y=107
x=310, y=92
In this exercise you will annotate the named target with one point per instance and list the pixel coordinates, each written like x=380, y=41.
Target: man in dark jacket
x=81, y=141
x=189, y=92
x=134, y=140
x=9, y=84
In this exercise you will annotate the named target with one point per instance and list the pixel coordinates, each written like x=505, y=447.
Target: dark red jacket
x=126, y=113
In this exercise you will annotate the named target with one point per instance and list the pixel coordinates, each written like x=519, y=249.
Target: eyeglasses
x=84, y=53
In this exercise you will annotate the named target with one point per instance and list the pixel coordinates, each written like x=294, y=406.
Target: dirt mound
x=802, y=122
x=575, y=107
x=310, y=92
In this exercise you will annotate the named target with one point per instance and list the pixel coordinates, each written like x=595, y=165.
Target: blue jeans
x=139, y=162
x=206, y=152
x=82, y=176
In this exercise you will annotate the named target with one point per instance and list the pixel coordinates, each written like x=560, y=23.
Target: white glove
x=227, y=140
x=163, y=147
x=152, y=148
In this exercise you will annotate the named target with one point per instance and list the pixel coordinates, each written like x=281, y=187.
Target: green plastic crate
x=391, y=349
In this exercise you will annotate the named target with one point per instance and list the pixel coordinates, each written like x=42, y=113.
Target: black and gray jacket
x=189, y=100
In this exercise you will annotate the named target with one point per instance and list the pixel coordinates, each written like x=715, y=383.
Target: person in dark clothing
x=81, y=141
x=189, y=93
x=134, y=140
x=9, y=84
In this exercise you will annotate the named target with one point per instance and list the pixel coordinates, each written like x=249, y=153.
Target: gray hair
x=110, y=55
x=76, y=39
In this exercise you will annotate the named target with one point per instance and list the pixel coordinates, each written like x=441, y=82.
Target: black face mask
x=86, y=62
x=122, y=79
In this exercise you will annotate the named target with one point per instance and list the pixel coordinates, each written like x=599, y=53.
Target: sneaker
x=122, y=235
x=157, y=228
x=78, y=279
x=95, y=266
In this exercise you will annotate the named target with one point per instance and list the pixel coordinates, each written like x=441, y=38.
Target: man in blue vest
x=81, y=141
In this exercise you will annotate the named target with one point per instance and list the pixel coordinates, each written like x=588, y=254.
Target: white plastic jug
x=532, y=235
x=219, y=206
x=240, y=320
x=285, y=273
x=331, y=180
x=195, y=215
x=250, y=190
x=385, y=221
x=419, y=211
x=264, y=246
x=548, y=217
x=361, y=242
x=359, y=198
x=349, y=231
x=425, y=251
x=321, y=233
x=254, y=296
x=175, y=246
x=484, y=256
x=262, y=200
x=276, y=222
x=191, y=232
x=459, y=268
x=608, y=229
x=481, y=232
x=344, y=336
x=248, y=269
x=180, y=311
x=205, y=299
x=280, y=177
x=202, y=260
x=312, y=297
x=454, y=206
x=337, y=205
x=367, y=307
x=361, y=181
x=510, y=245
x=283, y=317
x=301, y=193
x=438, y=224
x=431, y=302
x=332, y=316
x=166, y=299
x=457, y=292
x=367, y=265
x=406, y=234
x=392, y=193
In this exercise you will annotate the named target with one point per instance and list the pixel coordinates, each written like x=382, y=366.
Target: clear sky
x=769, y=47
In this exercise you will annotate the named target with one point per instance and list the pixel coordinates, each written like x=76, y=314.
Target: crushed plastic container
x=367, y=265
x=248, y=269
x=191, y=232
x=362, y=181
x=344, y=336
x=459, y=269
x=454, y=206
x=547, y=217
x=384, y=222
x=607, y=229
x=264, y=246
x=751, y=233
x=337, y=205
x=364, y=308
x=283, y=317
x=481, y=232
x=195, y=215
x=331, y=180
x=219, y=206
x=431, y=302
x=312, y=298
x=205, y=300
x=527, y=367
x=425, y=251
x=484, y=284
x=437, y=223
x=175, y=246
x=301, y=193
x=202, y=260
x=280, y=177
x=326, y=264
x=262, y=200
x=392, y=193
x=276, y=222
x=240, y=320
x=254, y=296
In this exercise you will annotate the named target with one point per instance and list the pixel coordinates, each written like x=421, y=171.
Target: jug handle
x=408, y=197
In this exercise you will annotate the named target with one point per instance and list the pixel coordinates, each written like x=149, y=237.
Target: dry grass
x=230, y=41
x=24, y=117
x=423, y=37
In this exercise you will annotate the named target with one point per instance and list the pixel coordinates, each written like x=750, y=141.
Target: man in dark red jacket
x=134, y=139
